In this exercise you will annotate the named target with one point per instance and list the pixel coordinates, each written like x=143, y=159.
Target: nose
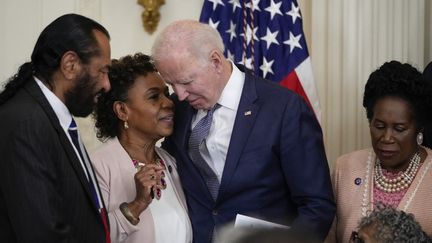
x=181, y=92
x=106, y=85
x=388, y=135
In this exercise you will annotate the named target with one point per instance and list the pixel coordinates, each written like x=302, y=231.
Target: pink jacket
x=352, y=183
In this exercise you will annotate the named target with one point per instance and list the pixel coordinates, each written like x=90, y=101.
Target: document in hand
x=250, y=222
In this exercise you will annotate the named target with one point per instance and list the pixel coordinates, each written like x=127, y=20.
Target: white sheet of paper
x=250, y=222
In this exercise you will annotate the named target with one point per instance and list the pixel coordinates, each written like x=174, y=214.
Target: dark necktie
x=73, y=132
x=198, y=135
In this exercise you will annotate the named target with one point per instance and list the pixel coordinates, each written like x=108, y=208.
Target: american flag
x=266, y=36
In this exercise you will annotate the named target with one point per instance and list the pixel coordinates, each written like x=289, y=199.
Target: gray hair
x=187, y=37
x=391, y=225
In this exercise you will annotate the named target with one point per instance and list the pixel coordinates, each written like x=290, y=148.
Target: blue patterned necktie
x=73, y=132
x=198, y=135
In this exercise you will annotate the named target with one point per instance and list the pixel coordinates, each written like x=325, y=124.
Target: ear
x=121, y=110
x=216, y=60
x=70, y=65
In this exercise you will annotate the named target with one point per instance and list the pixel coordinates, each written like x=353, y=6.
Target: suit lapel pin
x=357, y=181
x=248, y=113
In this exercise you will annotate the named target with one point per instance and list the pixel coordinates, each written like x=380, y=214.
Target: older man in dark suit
x=48, y=191
x=243, y=145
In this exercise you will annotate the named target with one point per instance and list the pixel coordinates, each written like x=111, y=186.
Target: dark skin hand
x=148, y=176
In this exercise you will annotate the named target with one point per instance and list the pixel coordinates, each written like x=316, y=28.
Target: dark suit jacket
x=276, y=167
x=427, y=76
x=44, y=194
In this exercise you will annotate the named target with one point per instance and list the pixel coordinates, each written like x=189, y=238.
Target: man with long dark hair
x=48, y=191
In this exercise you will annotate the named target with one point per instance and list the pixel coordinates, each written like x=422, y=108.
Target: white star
x=266, y=67
x=232, y=31
x=247, y=62
x=270, y=38
x=274, y=9
x=255, y=4
x=250, y=34
x=294, y=12
x=293, y=41
x=230, y=56
x=216, y=2
x=236, y=4
x=212, y=24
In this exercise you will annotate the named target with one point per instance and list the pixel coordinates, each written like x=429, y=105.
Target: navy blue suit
x=275, y=169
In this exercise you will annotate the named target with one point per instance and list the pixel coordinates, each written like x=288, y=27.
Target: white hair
x=187, y=37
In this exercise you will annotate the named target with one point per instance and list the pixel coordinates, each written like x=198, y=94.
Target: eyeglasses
x=355, y=238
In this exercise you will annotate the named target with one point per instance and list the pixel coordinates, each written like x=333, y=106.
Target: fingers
x=149, y=179
x=150, y=172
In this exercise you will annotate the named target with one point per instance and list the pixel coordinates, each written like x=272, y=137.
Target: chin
x=166, y=133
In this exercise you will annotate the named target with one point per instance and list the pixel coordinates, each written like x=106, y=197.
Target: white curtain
x=350, y=39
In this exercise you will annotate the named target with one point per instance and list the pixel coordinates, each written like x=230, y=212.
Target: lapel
x=191, y=177
x=405, y=203
x=173, y=177
x=243, y=124
x=34, y=90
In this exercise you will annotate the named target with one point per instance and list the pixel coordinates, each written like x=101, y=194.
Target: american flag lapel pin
x=248, y=113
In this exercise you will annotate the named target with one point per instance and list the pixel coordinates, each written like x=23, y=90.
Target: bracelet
x=127, y=213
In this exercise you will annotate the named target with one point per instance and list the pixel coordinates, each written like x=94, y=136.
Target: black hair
x=394, y=79
x=123, y=74
x=70, y=32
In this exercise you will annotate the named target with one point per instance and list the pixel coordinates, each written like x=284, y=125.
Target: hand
x=148, y=176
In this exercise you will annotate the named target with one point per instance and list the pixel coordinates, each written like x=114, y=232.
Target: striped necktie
x=197, y=137
x=73, y=132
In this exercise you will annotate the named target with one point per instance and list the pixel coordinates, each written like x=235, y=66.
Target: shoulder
x=353, y=164
x=429, y=152
x=354, y=159
x=25, y=120
x=266, y=86
x=109, y=150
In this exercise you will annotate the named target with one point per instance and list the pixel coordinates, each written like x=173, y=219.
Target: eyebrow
x=396, y=123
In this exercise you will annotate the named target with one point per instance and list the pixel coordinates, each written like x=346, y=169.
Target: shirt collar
x=230, y=97
x=58, y=106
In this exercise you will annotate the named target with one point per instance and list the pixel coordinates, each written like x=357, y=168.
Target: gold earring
x=125, y=125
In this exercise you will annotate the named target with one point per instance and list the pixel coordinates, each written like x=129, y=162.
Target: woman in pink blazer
x=396, y=171
x=139, y=181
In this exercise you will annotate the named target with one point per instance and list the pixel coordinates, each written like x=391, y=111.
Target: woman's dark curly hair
x=394, y=226
x=122, y=75
x=395, y=79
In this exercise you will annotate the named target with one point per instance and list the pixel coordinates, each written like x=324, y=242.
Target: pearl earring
x=126, y=125
x=419, y=138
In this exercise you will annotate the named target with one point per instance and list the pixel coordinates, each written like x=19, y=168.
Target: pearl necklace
x=367, y=200
x=403, y=181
